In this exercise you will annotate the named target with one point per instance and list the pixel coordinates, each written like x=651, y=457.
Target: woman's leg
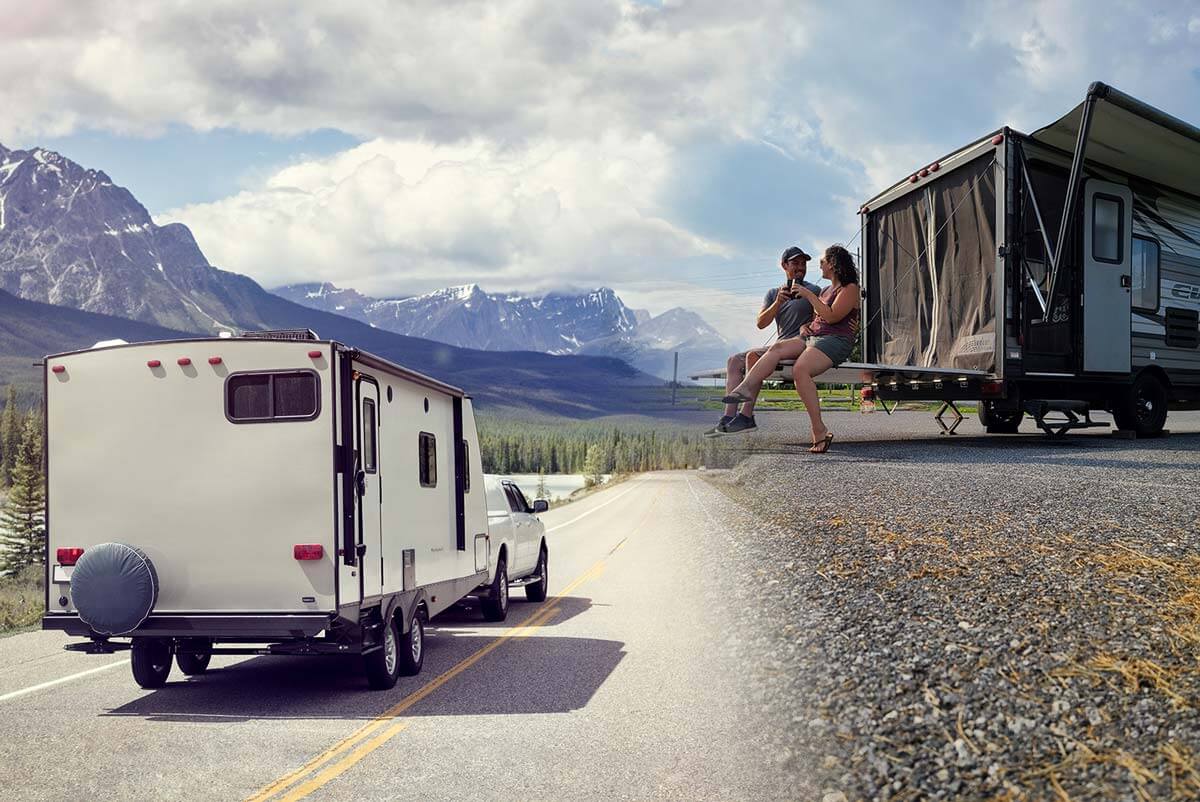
x=765, y=366
x=811, y=363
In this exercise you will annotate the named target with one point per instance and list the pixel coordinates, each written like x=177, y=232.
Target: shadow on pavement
x=524, y=674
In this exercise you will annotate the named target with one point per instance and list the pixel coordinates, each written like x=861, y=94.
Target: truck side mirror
x=541, y=505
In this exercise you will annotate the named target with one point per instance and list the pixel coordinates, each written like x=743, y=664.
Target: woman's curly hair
x=842, y=263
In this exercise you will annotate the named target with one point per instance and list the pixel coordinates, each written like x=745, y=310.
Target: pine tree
x=23, y=520
x=541, y=487
x=10, y=436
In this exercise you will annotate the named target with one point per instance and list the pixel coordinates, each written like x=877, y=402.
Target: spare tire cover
x=114, y=587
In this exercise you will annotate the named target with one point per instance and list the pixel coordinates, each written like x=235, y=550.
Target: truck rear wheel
x=151, y=662
x=1143, y=409
x=193, y=655
x=495, y=604
x=383, y=664
x=999, y=422
x=412, y=647
x=536, y=591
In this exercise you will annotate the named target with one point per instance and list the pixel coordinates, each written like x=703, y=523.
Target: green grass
x=22, y=599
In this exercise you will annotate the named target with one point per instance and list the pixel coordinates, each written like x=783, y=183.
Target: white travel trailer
x=266, y=489
x=1046, y=274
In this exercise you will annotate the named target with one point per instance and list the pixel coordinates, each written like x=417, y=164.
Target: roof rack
x=281, y=334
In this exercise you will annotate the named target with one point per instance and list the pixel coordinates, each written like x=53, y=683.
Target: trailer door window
x=279, y=396
x=427, y=459
x=370, y=456
x=1145, y=274
x=1107, y=213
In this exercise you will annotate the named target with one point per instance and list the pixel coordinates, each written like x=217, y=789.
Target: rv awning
x=1134, y=137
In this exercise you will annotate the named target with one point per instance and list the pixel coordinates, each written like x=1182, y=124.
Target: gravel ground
x=972, y=617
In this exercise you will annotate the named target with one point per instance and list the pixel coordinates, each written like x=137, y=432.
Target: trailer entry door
x=1107, y=276
x=370, y=533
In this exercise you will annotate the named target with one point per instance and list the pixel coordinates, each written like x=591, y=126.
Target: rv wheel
x=412, y=647
x=495, y=604
x=997, y=422
x=151, y=661
x=536, y=591
x=383, y=664
x=1144, y=407
x=193, y=656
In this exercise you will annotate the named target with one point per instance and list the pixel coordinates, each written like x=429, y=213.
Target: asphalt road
x=623, y=685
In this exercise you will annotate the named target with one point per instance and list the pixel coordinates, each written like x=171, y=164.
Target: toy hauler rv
x=1048, y=274
x=270, y=489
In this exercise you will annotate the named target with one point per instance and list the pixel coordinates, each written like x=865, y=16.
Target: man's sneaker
x=719, y=429
x=740, y=423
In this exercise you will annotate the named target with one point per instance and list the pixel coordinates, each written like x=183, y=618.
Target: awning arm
x=1037, y=213
x=1073, y=180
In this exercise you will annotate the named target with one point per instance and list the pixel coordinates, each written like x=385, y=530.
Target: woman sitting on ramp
x=828, y=344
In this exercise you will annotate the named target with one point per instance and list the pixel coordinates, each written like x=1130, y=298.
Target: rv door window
x=1107, y=213
x=370, y=456
x=260, y=397
x=1145, y=274
x=427, y=459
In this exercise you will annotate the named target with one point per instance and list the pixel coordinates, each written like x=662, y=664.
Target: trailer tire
x=383, y=664
x=1143, y=408
x=193, y=656
x=412, y=647
x=495, y=604
x=151, y=662
x=999, y=422
x=536, y=591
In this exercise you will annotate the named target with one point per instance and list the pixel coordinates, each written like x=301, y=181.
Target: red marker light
x=153, y=363
x=913, y=180
x=924, y=172
x=183, y=360
x=214, y=360
x=69, y=556
x=309, y=551
x=991, y=388
x=933, y=168
x=314, y=354
x=997, y=139
x=58, y=368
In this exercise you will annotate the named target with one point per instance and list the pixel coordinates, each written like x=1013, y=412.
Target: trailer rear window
x=427, y=456
x=281, y=396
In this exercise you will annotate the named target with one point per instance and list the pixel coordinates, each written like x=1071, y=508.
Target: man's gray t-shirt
x=792, y=314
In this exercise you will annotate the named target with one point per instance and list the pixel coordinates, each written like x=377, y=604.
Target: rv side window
x=259, y=397
x=466, y=463
x=427, y=456
x=1107, y=213
x=1145, y=274
x=370, y=457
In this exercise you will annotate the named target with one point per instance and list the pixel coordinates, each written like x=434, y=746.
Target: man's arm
x=766, y=315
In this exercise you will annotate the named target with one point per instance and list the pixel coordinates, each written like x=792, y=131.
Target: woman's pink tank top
x=846, y=327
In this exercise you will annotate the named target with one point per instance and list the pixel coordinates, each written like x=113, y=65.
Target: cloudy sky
x=670, y=150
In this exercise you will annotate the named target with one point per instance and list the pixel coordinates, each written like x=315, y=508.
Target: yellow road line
x=391, y=713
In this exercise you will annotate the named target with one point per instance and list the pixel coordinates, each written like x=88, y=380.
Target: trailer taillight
x=991, y=388
x=69, y=556
x=58, y=368
x=314, y=354
x=310, y=551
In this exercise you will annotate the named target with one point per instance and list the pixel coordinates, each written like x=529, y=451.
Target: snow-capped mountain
x=594, y=322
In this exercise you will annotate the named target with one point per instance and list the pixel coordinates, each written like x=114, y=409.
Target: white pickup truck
x=518, y=556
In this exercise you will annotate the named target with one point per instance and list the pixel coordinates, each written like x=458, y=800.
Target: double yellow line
x=336, y=760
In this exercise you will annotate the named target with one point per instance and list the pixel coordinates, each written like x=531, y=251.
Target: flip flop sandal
x=735, y=398
x=822, y=445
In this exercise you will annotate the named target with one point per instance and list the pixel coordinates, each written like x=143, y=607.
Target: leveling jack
x=948, y=406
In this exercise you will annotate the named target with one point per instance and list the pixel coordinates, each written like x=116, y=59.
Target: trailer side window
x=1145, y=274
x=260, y=397
x=466, y=467
x=370, y=454
x=427, y=456
x=1107, y=214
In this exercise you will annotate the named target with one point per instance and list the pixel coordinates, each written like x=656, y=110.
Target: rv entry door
x=1107, y=277
x=367, y=476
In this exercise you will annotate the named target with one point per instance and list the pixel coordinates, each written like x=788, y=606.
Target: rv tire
x=536, y=591
x=151, y=662
x=383, y=664
x=1143, y=408
x=495, y=604
x=193, y=655
x=412, y=647
x=999, y=422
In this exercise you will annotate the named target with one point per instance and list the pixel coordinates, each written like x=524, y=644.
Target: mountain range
x=595, y=322
x=70, y=237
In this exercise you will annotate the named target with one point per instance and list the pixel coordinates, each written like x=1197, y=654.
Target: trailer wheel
x=412, y=647
x=193, y=655
x=495, y=604
x=383, y=664
x=151, y=662
x=999, y=422
x=1144, y=407
x=536, y=591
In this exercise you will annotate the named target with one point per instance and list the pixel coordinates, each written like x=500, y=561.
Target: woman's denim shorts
x=836, y=348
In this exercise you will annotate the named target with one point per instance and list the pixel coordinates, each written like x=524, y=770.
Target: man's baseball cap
x=794, y=253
